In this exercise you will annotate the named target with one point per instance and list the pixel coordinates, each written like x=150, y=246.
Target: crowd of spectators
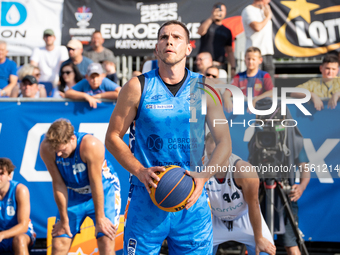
x=57, y=69
x=91, y=75
x=53, y=70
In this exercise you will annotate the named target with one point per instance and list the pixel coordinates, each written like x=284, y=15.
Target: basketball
x=173, y=189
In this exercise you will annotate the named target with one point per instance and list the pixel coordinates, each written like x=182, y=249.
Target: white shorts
x=242, y=231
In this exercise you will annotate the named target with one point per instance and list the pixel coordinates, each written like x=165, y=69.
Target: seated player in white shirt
x=233, y=195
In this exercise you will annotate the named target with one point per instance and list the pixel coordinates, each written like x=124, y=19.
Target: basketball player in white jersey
x=235, y=206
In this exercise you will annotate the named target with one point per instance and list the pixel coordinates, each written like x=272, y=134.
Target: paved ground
x=314, y=248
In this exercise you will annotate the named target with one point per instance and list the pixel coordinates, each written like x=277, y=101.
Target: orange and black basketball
x=173, y=189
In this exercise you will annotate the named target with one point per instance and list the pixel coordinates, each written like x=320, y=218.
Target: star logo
x=300, y=8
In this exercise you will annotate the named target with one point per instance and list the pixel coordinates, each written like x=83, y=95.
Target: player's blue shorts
x=146, y=226
x=6, y=244
x=78, y=210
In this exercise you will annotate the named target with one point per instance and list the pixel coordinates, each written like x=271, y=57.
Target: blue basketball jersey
x=168, y=129
x=75, y=173
x=8, y=208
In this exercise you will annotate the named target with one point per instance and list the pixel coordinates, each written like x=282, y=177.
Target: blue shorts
x=77, y=212
x=146, y=226
x=6, y=244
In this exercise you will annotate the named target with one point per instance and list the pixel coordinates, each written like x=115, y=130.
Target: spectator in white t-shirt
x=49, y=58
x=258, y=28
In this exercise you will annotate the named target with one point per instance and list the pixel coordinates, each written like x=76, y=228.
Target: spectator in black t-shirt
x=216, y=38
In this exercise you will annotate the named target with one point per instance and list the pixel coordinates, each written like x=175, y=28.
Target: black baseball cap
x=30, y=78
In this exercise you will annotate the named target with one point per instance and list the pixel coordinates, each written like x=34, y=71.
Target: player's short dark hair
x=175, y=22
x=6, y=165
x=60, y=132
x=330, y=58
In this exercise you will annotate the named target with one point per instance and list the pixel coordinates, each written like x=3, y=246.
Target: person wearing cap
x=29, y=88
x=8, y=71
x=98, y=52
x=49, y=58
x=25, y=70
x=94, y=87
x=75, y=51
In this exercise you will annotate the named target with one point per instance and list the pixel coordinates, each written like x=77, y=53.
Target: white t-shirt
x=49, y=62
x=262, y=39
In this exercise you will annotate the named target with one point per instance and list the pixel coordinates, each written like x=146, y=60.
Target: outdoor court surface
x=314, y=248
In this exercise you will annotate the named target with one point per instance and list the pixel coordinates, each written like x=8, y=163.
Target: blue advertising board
x=23, y=124
x=318, y=206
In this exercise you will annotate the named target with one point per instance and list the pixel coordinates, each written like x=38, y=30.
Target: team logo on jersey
x=132, y=246
x=192, y=98
x=156, y=97
x=154, y=143
x=258, y=87
x=78, y=168
x=9, y=201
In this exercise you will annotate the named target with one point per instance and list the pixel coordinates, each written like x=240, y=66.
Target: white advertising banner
x=22, y=23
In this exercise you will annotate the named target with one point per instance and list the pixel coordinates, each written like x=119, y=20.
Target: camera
x=267, y=147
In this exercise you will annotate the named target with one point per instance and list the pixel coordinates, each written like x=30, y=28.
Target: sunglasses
x=211, y=75
x=69, y=49
x=66, y=72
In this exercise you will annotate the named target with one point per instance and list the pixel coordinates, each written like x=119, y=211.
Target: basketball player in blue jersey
x=233, y=195
x=84, y=184
x=16, y=230
x=163, y=110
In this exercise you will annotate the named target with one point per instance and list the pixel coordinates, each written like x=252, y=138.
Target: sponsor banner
x=322, y=145
x=22, y=23
x=130, y=27
x=305, y=28
x=20, y=139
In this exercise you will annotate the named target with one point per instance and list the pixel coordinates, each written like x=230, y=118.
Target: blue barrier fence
x=22, y=125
